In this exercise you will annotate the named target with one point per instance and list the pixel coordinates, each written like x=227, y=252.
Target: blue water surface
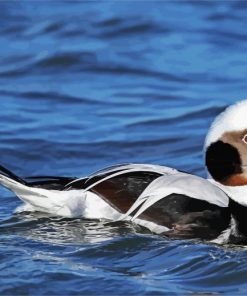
x=84, y=85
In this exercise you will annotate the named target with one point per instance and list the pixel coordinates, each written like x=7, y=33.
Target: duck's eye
x=244, y=139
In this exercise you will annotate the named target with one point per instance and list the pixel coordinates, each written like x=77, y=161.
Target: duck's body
x=162, y=199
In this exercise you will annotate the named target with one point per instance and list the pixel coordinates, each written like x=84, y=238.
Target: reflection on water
x=84, y=85
x=56, y=230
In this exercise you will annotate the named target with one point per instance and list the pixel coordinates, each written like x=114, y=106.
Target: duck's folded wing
x=188, y=205
x=182, y=184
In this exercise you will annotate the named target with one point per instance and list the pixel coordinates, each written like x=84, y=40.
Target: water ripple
x=85, y=85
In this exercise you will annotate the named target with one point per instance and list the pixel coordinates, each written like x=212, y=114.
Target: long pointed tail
x=12, y=181
x=16, y=184
x=7, y=173
x=36, y=197
x=52, y=200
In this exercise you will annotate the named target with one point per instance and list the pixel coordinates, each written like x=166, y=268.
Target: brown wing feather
x=122, y=191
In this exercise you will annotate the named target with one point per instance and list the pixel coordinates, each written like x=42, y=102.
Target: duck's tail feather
x=10, y=175
x=39, y=197
x=45, y=182
x=18, y=185
x=47, y=194
x=12, y=182
x=30, y=190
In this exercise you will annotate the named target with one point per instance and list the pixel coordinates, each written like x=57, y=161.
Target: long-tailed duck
x=165, y=200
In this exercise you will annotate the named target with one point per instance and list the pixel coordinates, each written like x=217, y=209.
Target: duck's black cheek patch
x=222, y=160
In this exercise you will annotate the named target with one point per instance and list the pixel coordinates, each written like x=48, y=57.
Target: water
x=84, y=85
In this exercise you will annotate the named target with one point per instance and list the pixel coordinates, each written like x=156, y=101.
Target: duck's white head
x=226, y=146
